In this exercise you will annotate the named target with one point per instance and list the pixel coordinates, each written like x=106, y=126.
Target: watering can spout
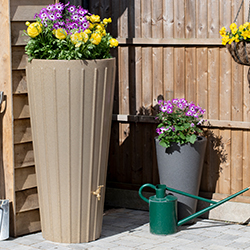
x=216, y=204
x=163, y=208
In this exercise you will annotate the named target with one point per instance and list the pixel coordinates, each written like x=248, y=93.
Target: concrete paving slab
x=126, y=229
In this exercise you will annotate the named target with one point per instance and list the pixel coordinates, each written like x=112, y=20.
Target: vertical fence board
x=191, y=91
x=137, y=18
x=225, y=114
x=157, y=16
x=190, y=19
x=146, y=12
x=168, y=18
x=201, y=22
x=213, y=19
x=168, y=76
x=202, y=78
x=179, y=19
x=179, y=72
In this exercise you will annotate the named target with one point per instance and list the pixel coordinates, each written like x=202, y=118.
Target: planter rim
x=78, y=60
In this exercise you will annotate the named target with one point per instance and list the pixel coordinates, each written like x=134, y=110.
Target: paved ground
x=125, y=229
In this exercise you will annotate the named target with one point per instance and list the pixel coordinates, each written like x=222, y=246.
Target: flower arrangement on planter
x=237, y=34
x=179, y=122
x=237, y=42
x=66, y=32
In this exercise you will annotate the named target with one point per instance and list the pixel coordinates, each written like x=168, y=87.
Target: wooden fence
x=168, y=48
x=173, y=49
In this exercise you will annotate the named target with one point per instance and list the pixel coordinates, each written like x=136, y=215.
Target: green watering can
x=163, y=208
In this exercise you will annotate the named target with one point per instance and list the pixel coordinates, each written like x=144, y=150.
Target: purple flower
x=82, y=12
x=58, y=15
x=160, y=102
x=59, y=6
x=72, y=9
x=85, y=25
x=182, y=100
x=158, y=131
x=175, y=101
x=192, y=107
x=50, y=7
x=61, y=23
x=45, y=24
x=56, y=26
x=82, y=19
x=192, y=125
x=52, y=17
x=181, y=106
x=189, y=113
x=173, y=128
x=164, y=108
x=169, y=110
x=203, y=111
x=43, y=15
x=75, y=17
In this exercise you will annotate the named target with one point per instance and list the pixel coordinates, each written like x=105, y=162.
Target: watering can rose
x=68, y=32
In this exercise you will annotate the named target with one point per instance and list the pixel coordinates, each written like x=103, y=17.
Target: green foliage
x=179, y=122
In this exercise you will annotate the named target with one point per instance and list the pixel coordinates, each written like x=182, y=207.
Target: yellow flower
x=95, y=19
x=233, y=26
x=77, y=38
x=27, y=23
x=106, y=21
x=34, y=29
x=95, y=38
x=246, y=25
x=101, y=29
x=241, y=28
x=113, y=42
x=91, y=26
x=87, y=31
x=223, y=31
x=236, y=38
x=85, y=36
x=234, y=31
x=225, y=40
x=61, y=34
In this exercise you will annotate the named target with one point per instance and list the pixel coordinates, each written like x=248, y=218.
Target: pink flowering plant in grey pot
x=179, y=122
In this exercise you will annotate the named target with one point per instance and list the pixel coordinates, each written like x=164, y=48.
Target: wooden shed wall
x=25, y=206
x=168, y=48
x=172, y=48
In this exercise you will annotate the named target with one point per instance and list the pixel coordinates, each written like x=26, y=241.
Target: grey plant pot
x=180, y=167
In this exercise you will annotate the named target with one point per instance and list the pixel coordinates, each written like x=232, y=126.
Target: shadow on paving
x=118, y=221
x=205, y=225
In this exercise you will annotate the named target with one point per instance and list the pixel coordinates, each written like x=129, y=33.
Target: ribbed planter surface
x=71, y=110
x=180, y=167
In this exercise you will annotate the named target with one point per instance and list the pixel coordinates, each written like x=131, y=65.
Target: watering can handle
x=143, y=186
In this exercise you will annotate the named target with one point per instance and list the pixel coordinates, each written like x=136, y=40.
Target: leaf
x=164, y=144
x=182, y=136
x=192, y=139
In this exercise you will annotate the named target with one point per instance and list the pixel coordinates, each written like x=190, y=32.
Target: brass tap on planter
x=98, y=192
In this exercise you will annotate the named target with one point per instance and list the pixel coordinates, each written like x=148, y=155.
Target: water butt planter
x=71, y=110
x=180, y=167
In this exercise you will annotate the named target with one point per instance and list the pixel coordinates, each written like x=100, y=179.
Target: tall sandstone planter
x=71, y=110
